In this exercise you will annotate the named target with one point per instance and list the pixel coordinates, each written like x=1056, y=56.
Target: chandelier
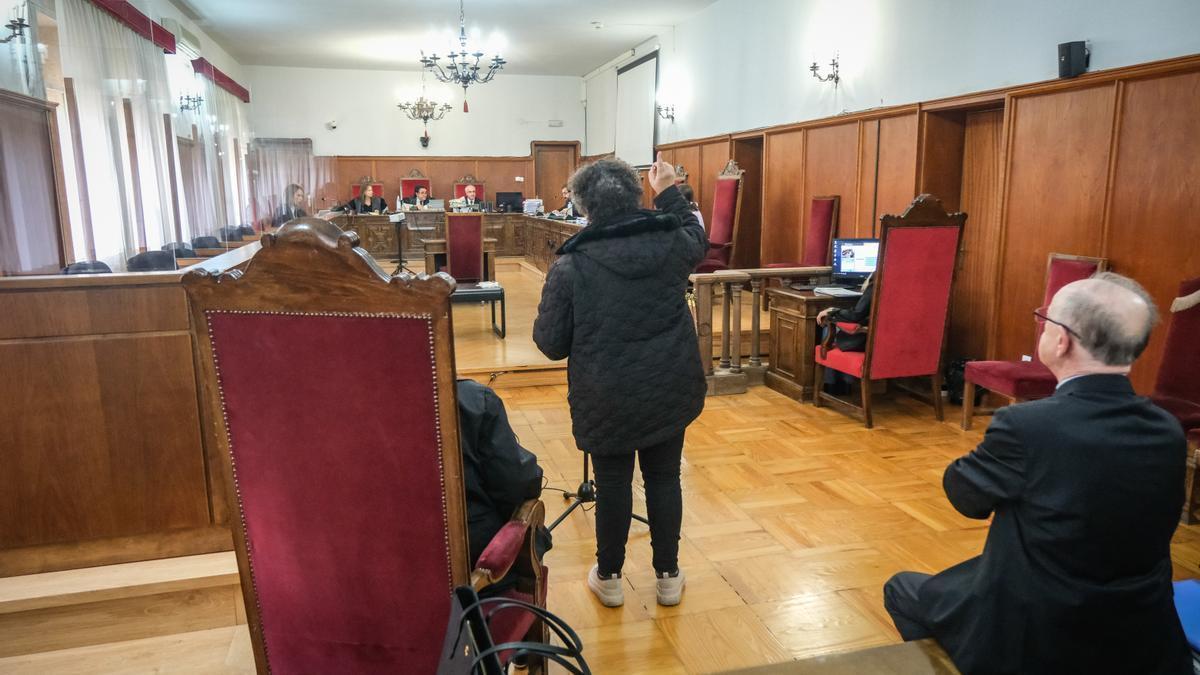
x=424, y=110
x=463, y=67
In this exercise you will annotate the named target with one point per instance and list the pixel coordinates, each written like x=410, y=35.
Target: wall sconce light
x=190, y=102
x=832, y=76
x=667, y=112
x=16, y=29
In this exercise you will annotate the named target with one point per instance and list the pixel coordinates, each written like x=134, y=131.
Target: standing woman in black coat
x=615, y=303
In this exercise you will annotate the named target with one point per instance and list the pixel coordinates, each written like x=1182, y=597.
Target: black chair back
x=206, y=242
x=246, y=230
x=151, y=261
x=230, y=233
x=87, y=267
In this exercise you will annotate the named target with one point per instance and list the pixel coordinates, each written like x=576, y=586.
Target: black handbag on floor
x=470, y=650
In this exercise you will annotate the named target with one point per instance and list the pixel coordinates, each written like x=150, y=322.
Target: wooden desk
x=435, y=256
x=794, y=338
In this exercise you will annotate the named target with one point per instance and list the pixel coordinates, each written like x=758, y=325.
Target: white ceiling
x=536, y=37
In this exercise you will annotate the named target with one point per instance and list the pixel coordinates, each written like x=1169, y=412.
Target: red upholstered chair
x=818, y=239
x=918, y=252
x=460, y=187
x=464, y=247
x=723, y=226
x=376, y=187
x=1026, y=380
x=1177, y=389
x=330, y=387
x=414, y=180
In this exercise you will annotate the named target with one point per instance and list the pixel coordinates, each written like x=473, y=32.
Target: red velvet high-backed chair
x=414, y=180
x=818, y=239
x=343, y=466
x=723, y=226
x=1177, y=388
x=464, y=247
x=376, y=187
x=918, y=252
x=1026, y=380
x=460, y=187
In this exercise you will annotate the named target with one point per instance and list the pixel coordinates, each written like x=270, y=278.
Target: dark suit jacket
x=412, y=201
x=284, y=215
x=1086, y=489
x=357, y=205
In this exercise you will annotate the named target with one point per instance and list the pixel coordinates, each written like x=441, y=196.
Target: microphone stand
x=584, y=494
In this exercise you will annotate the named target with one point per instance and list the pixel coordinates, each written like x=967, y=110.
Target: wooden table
x=435, y=256
x=794, y=338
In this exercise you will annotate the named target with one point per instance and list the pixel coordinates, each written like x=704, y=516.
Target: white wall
x=506, y=114
x=739, y=65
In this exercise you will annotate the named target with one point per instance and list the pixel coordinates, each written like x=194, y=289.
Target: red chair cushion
x=464, y=247
x=850, y=363
x=356, y=189
x=1187, y=412
x=460, y=190
x=820, y=228
x=708, y=265
x=1179, y=371
x=1019, y=379
x=344, y=512
x=847, y=327
x=724, y=210
x=512, y=624
x=1062, y=271
x=913, y=298
x=408, y=186
x=501, y=552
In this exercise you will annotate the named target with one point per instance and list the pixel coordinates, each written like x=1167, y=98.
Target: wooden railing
x=730, y=376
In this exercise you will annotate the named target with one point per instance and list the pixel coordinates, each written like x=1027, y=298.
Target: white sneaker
x=669, y=588
x=611, y=591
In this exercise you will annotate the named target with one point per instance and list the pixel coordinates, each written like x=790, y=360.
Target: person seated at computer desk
x=419, y=201
x=836, y=382
x=366, y=202
x=568, y=208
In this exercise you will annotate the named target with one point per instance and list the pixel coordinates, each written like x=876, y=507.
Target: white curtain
x=227, y=139
x=279, y=162
x=114, y=70
x=20, y=63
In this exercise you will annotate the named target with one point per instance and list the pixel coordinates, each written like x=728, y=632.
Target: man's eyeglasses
x=1042, y=318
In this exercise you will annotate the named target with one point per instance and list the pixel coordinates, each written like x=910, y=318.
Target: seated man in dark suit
x=293, y=205
x=419, y=201
x=1086, y=489
x=498, y=473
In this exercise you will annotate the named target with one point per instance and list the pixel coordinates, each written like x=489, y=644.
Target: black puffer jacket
x=615, y=303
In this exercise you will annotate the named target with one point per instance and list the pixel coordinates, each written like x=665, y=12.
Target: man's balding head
x=1111, y=317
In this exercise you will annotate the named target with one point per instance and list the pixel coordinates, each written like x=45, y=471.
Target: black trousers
x=614, y=504
x=900, y=600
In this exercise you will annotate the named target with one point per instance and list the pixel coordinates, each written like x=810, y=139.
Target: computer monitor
x=509, y=201
x=854, y=259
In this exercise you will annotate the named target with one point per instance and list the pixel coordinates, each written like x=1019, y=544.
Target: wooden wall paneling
x=1153, y=232
x=897, y=172
x=689, y=157
x=831, y=159
x=748, y=153
x=349, y=171
x=501, y=176
x=860, y=220
x=940, y=173
x=783, y=193
x=1058, y=162
x=713, y=157
x=553, y=164
x=972, y=302
x=105, y=439
x=443, y=173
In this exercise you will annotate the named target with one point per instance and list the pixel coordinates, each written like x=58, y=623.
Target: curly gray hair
x=606, y=189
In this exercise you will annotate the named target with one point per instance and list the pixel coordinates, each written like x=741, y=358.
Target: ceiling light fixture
x=424, y=111
x=461, y=70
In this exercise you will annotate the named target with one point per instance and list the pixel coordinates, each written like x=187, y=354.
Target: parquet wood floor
x=793, y=518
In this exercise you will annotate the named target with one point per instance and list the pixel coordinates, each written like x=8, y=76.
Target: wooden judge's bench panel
x=101, y=444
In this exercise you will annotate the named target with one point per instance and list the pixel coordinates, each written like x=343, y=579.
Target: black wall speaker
x=1073, y=59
